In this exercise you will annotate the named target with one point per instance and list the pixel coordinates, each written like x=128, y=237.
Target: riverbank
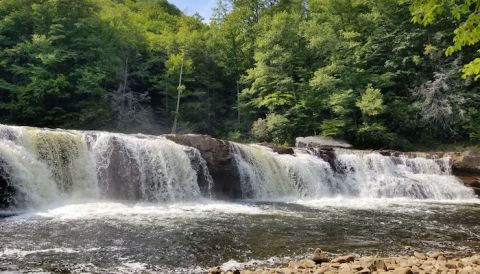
x=418, y=263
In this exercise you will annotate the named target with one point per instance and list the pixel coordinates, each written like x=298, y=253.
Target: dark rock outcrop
x=466, y=166
x=220, y=162
x=121, y=169
x=7, y=191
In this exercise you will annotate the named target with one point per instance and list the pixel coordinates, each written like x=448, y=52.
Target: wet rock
x=215, y=270
x=319, y=256
x=279, y=150
x=7, y=191
x=121, y=179
x=220, y=162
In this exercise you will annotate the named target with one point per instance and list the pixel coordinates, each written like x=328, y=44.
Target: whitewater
x=90, y=202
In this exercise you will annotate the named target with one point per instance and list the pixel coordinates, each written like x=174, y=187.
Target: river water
x=118, y=237
x=97, y=202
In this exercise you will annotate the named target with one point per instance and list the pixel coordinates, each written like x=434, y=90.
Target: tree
x=467, y=32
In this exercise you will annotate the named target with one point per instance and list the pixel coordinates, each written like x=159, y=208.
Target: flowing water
x=97, y=202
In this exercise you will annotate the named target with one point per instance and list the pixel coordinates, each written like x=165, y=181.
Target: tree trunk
x=122, y=97
x=238, y=103
x=174, y=128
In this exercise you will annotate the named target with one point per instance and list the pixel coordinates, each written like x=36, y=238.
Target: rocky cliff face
x=466, y=166
x=220, y=162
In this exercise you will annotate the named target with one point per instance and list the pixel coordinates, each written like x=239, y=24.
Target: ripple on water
x=120, y=237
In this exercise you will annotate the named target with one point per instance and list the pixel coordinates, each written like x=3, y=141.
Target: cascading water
x=265, y=175
x=41, y=166
x=372, y=175
x=332, y=203
x=268, y=175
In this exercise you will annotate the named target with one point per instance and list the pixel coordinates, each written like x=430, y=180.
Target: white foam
x=143, y=212
x=22, y=253
x=234, y=265
x=407, y=204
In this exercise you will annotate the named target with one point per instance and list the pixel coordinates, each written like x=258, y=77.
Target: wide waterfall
x=352, y=174
x=99, y=202
x=40, y=166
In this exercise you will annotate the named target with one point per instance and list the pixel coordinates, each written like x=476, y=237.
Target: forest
x=394, y=74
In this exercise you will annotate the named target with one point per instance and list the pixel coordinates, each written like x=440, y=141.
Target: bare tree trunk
x=174, y=128
x=238, y=103
x=124, y=90
x=166, y=97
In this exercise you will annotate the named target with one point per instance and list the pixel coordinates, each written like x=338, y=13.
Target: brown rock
x=356, y=267
x=419, y=255
x=436, y=255
x=427, y=269
x=468, y=161
x=335, y=265
x=416, y=269
x=391, y=266
x=441, y=258
x=307, y=263
x=321, y=270
x=344, y=259
x=403, y=270
x=216, y=270
x=319, y=256
x=364, y=271
x=451, y=265
x=346, y=271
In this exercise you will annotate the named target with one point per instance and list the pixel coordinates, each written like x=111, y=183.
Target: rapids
x=98, y=202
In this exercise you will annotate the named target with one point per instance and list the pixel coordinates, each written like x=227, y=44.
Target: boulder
x=215, y=270
x=344, y=259
x=320, y=257
x=419, y=255
x=403, y=270
x=220, y=162
x=467, y=162
x=436, y=255
x=307, y=263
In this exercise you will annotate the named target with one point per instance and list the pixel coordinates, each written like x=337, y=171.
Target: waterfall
x=40, y=166
x=355, y=174
x=265, y=174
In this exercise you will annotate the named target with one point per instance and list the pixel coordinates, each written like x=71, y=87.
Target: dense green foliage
x=264, y=70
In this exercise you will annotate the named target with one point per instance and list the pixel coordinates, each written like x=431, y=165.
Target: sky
x=203, y=7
